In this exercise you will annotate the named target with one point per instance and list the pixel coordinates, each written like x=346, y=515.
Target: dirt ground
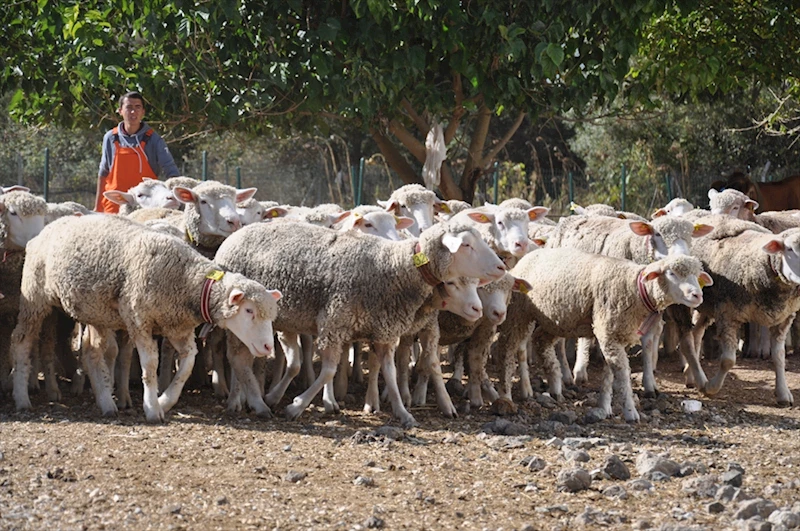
x=62, y=466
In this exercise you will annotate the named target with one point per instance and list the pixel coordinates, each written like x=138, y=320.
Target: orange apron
x=128, y=169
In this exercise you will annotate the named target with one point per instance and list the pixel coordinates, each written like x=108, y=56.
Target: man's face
x=132, y=112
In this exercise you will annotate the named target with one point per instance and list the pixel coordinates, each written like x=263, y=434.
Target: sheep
x=181, y=180
x=150, y=193
x=22, y=217
x=676, y=207
x=326, y=295
x=132, y=278
x=639, y=241
x=416, y=202
x=65, y=208
x=600, y=209
x=449, y=208
x=757, y=276
x=576, y=294
x=475, y=337
x=376, y=221
x=252, y=211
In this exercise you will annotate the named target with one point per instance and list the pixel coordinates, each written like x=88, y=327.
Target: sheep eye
x=203, y=202
x=249, y=310
x=12, y=212
x=368, y=225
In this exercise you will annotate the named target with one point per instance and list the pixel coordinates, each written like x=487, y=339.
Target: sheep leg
x=526, y=354
x=47, y=352
x=340, y=381
x=691, y=338
x=542, y=343
x=29, y=325
x=243, y=380
x=778, y=345
x=431, y=366
x=372, y=402
x=795, y=335
x=671, y=339
x=580, y=371
x=99, y=345
x=561, y=354
x=650, y=358
x=765, y=343
x=123, y=371
x=307, y=344
x=218, y=380
x=279, y=366
x=356, y=355
x=457, y=360
x=330, y=361
x=260, y=373
x=617, y=359
x=385, y=353
x=187, y=354
x=606, y=386
x=148, y=359
x=166, y=365
x=294, y=358
x=6, y=381
x=728, y=338
x=403, y=357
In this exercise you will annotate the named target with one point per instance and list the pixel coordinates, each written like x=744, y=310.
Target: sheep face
x=250, y=211
x=23, y=216
x=152, y=193
x=415, y=202
x=680, y=279
x=471, y=256
x=511, y=230
x=215, y=204
x=495, y=304
x=462, y=298
x=381, y=224
x=732, y=203
x=789, y=248
x=249, y=316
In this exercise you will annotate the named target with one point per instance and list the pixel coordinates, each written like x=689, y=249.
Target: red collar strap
x=9, y=252
x=205, y=299
x=650, y=320
x=422, y=263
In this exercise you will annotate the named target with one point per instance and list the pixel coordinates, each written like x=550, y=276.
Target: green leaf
x=555, y=53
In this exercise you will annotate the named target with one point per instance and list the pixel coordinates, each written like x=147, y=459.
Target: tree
x=393, y=68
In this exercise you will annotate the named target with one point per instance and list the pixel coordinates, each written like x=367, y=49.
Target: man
x=131, y=151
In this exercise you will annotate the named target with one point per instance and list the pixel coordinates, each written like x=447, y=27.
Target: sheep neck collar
x=775, y=269
x=205, y=302
x=423, y=265
x=650, y=320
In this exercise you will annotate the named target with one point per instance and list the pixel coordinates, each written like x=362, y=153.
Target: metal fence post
x=205, y=165
x=623, y=187
x=360, y=179
x=495, y=178
x=239, y=177
x=571, y=188
x=669, y=188
x=46, y=172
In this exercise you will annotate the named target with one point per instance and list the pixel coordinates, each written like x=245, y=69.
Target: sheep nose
x=235, y=223
x=521, y=245
x=267, y=348
x=477, y=309
x=499, y=316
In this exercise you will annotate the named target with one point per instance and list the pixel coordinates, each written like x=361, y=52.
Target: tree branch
x=414, y=146
x=458, y=109
x=447, y=186
x=394, y=159
x=503, y=141
x=420, y=122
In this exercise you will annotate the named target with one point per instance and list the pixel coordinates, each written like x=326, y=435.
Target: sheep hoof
x=265, y=413
x=409, y=422
x=651, y=394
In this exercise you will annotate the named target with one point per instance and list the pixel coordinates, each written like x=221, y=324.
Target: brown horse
x=779, y=195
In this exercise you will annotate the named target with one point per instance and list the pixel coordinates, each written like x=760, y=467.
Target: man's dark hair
x=131, y=96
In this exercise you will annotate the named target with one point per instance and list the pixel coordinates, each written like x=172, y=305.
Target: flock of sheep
x=405, y=277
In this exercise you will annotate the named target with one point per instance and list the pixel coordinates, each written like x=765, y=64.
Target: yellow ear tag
x=445, y=209
x=484, y=219
x=522, y=288
x=357, y=216
x=216, y=275
x=274, y=214
x=420, y=259
x=701, y=282
x=573, y=206
x=696, y=226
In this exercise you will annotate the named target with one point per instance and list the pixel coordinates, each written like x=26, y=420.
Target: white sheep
x=416, y=202
x=132, y=278
x=150, y=193
x=252, y=211
x=65, y=208
x=376, y=221
x=676, y=207
x=577, y=294
x=326, y=295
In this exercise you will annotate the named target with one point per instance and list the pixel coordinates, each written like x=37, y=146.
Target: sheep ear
x=652, y=275
x=712, y=193
x=774, y=247
x=236, y=296
x=658, y=213
x=338, y=218
x=390, y=206
x=120, y=198
x=441, y=207
x=275, y=294
x=539, y=242
x=274, y=212
x=704, y=279
x=640, y=228
x=15, y=188
x=537, y=212
x=521, y=285
x=752, y=205
x=185, y=195
x=701, y=229
x=148, y=179
x=245, y=194
x=452, y=242
x=403, y=222
x=481, y=217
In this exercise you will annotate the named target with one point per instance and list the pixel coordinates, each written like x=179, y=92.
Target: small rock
x=294, y=477
x=172, y=509
x=715, y=508
x=701, y=486
x=546, y=401
x=534, y=463
x=690, y=468
x=579, y=456
x=222, y=500
x=787, y=519
x=725, y=493
x=555, y=442
x=751, y=508
x=564, y=417
x=390, y=432
x=649, y=462
x=503, y=407
x=772, y=490
x=616, y=491
x=501, y=426
x=615, y=468
x=656, y=475
x=755, y=524
x=573, y=480
x=733, y=478
x=373, y=522
x=594, y=415
x=641, y=525
x=528, y=527
x=502, y=442
x=363, y=481
x=640, y=485
x=742, y=495
x=599, y=475
x=735, y=466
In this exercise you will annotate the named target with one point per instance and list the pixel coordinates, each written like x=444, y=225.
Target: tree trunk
x=395, y=160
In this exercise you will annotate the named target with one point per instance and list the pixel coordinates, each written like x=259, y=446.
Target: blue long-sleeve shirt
x=158, y=155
